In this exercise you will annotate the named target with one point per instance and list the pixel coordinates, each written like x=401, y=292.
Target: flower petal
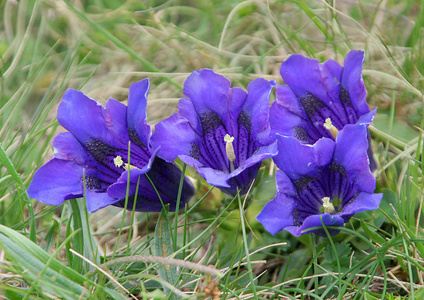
x=67, y=147
x=322, y=91
x=175, y=136
x=241, y=177
x=310, y=81
x=256, y=106
x=367, y=118
x=165, y=178
x=84, y=118
x=96, y=200
x=277, y=213
x=137, y=104
x=362, y=202
x=187, y=111
x=208, y=91
x=352, y=81
x=214, y=177
x=351, y=154
x=303, y=76
x=57, y=181
x=317, y=221
x=115, y=118
x=262, y=153
x=287, y=117
x=298, y=160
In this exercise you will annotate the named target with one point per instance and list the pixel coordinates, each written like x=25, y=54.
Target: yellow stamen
x=129, y=167
x=329, y=126
x=118, y=161
x=327, y=205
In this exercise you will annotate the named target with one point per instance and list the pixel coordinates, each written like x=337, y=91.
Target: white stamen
x=327, y=205
x=329, y=126
x=118, y=161
x=229, y=149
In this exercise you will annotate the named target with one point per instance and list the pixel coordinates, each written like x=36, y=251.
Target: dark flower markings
x=245, y=120
x=295, y=215
x=349, y=111
x=213, y=137
x=92, y=183
x=301, y=134
x=352, y=199
x=312, y=105
x=104, y=155
x=334, y=167
x=101, y=153
x=99, y=150
x=195, y=151
x=213, y=140
x=302, y=182
x=344, y=97
x=318, y=111
x=132, y=134
x=312, y=189
x=210, y=121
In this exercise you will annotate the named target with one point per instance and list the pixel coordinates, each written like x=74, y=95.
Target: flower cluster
x=320, y=121
x=316, y=132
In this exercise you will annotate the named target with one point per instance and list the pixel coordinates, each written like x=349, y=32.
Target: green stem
x=246, y=247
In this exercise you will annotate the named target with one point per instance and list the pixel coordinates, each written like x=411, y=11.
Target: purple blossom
x=223, y=132
x=316, y=94
x=326, y=182
x=96, y=148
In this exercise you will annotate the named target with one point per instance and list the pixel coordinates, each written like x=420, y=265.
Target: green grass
x=101, y=47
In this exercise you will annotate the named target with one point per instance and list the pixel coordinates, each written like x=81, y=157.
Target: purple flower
x=223, y=132
x=317, y=94
x=96, y=148
x=326, y=182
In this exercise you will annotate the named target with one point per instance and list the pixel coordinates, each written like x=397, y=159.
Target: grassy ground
x=101, y=47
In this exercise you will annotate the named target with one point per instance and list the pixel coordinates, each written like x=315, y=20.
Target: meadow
x=214, y=247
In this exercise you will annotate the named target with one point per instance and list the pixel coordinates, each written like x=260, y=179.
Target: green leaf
x=13, y=292
x=163, y=247
x=44, y=273
x=342, y=256
x=367, y=296
x=83, y=241
x=295, y=266
x=374, y=236
x=50, y=236
x=7, y=163
x=37, y=266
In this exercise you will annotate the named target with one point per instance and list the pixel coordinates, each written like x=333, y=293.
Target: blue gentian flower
x=223, y=132
x=326, y=182
x=318, y=97
x=96, y=148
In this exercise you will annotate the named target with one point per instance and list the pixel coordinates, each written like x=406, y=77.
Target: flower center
x=329, y=126
x=327, y=206
x=119, y=163
x=229, y=149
